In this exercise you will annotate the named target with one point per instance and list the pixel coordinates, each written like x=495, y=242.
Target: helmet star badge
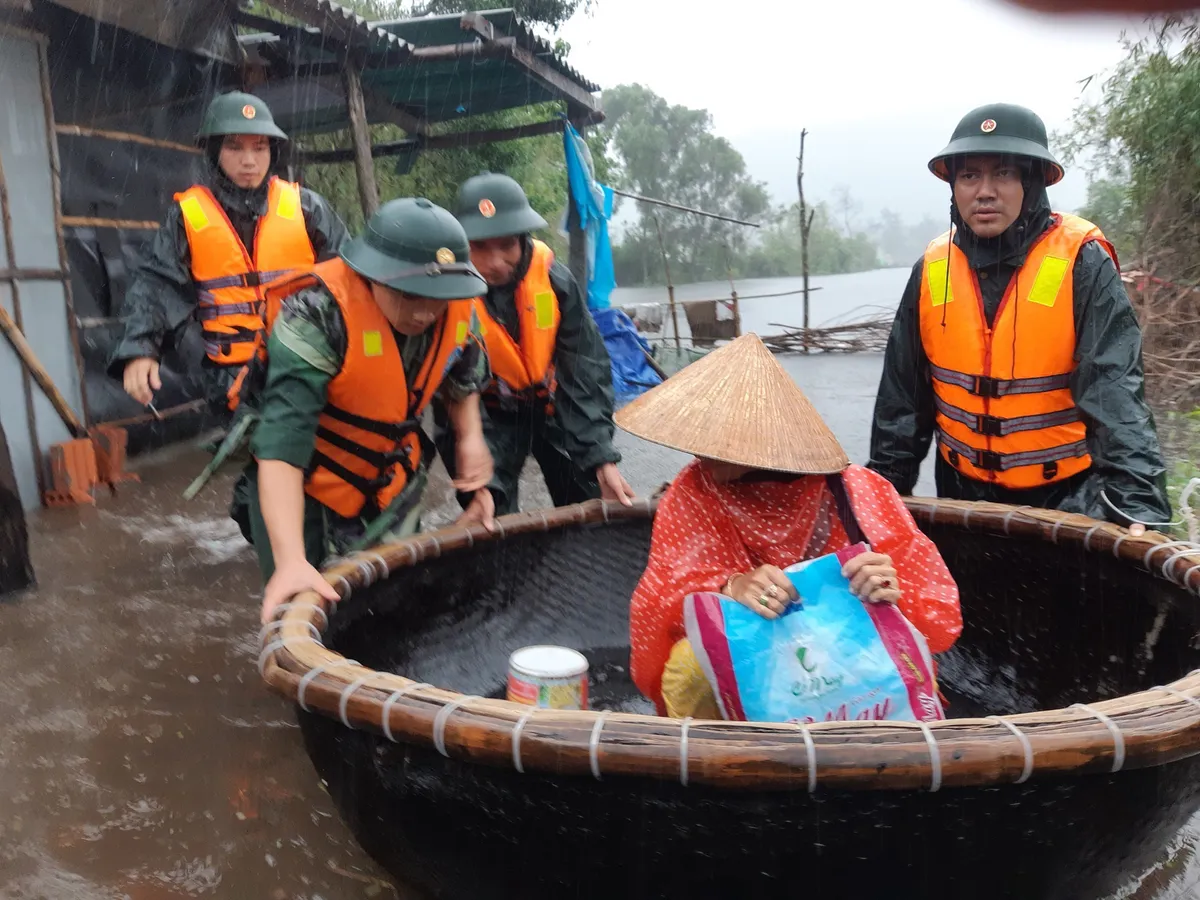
x=988, y=126
x=445, y=256
x=487, y=208
x=249, y=111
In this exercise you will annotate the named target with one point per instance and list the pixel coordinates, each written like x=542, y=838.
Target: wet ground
x=141, y=758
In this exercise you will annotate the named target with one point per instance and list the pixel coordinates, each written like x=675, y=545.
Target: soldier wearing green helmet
x=221, y=241
x=356, y=349
x=1015, y=345
x=550, y=395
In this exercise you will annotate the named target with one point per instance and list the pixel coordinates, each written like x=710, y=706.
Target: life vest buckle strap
x=989, y=460
x=990, y=426
x=986, y=387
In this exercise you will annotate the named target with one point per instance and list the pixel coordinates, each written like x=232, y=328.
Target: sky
x=879, y=84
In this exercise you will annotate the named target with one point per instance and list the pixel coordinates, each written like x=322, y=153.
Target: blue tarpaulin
x=593, y=202
x=631, y=372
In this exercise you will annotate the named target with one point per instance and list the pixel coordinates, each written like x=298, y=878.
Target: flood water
x=141, y=757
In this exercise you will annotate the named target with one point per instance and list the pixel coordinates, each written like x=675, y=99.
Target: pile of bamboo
x=867, y=336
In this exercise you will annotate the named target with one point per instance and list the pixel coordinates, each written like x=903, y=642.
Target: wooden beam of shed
x=440, y=141
x=360, y=136
x=555, y=81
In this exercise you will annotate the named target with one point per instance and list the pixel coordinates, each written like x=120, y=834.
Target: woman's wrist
x=729, y=583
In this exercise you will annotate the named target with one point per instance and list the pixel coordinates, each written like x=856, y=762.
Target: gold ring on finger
x=773, y=591
x=762, y=599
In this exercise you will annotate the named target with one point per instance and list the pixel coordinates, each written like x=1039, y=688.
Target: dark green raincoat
x=1107, y=385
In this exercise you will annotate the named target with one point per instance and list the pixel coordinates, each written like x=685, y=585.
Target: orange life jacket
x=525, y=367
x=229, y=280
x=369, y=439
x=1004, y=410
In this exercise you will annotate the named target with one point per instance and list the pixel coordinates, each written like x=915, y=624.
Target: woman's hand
x=766, y=590
x=613, y=485
x=873, y=578
x=291, y=579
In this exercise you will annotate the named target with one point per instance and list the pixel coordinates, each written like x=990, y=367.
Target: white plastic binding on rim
x=345, y=596
x=1054, y=532
x=367, y=568
x=604, y=509
x=1113, y=728
x=811, y=750
x=279, y=623
x=345, y=699
x=1008, y=519
x=1178, y=694
x=391, y=700
x=277, y=644
x=966, y=523
x=594, y=744
x=1178, y=554
x=499, y=529
x=516, y=738
x=683, y=750
x=443, y=716
x=282, y=607
x=1087, y=538
x=935, y=758
x=1117, y=544
x=314, y=672
x=1027, y=769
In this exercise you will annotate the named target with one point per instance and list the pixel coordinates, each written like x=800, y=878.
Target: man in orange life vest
x=219, y=244
x=1016, y=345
x=551, y=390
x=357, y=349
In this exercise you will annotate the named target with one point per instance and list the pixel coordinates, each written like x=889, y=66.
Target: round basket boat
x=1080, y=759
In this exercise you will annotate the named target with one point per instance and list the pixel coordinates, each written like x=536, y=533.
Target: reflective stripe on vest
x=229, y=279
x=525, y=366
x=1004, y=410
x=369, y=441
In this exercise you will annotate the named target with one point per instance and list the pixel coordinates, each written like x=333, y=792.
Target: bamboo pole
x=806, y=220
x=670, y=287
x=63, y=263
x=40, y=375
x=360, y=136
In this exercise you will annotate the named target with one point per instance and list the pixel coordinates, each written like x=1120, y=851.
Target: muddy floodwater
x=140, y=755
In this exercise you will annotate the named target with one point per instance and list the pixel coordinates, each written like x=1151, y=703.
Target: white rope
x=1118, y=542
x=935, y=758
x=1087, y=538
x=604, y=510
x=811, y=749
x=443, y=716
x=1114, y=729
x=1167, y=545
x=683, y=750
x=1008, y=517
x=1186, y=511
x=390, y=701
x=516, y=738
x=966, y=522
x=1121, y=512
x=344, y=702
x=1179, y=694
x=314, y=672
x=345, y=596
x=1054, y=531
x=594, y=744
x=1026, y=746
x=367, y=569
x=1179, y=554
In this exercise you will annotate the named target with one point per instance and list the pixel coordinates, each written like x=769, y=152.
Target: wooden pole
x=806, y=220
x=670, y=287
x=40, y=375
x=360, y=136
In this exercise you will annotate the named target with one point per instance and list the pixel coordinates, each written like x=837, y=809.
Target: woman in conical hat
x=770, y=486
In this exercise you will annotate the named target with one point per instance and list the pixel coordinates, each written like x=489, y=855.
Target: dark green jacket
x=583, y=400
x=1107, y=385
x=161, y=299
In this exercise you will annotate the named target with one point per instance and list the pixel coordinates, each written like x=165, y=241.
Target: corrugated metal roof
x=434, y=30
x=466, y=79
x=339, y=22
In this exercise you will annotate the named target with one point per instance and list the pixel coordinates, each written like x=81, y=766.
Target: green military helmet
x=239, y=113
x=413, y=246
x=999, y=128
x=492, y=205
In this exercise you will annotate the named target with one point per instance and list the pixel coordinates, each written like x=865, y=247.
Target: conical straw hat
x=737, y=405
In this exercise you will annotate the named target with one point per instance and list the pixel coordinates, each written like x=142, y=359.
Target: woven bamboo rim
x=1145, y=729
